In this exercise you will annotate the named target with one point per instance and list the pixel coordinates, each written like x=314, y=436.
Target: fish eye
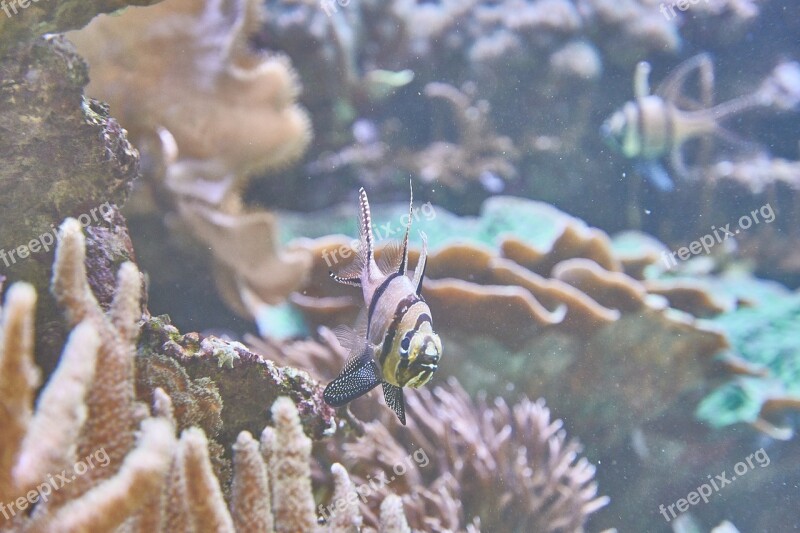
x=405, y=343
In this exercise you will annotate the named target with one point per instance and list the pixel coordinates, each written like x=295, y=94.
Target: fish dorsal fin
x=672, y=87
x=391, y=258
x=419, y=272
x=404, y=260
x=358, y=377
x=394, y=399
x=367, y=246
x=349, y=338
x=352, y=273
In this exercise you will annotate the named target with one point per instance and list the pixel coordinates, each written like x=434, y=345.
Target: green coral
x=766, y=336
x=535, y=223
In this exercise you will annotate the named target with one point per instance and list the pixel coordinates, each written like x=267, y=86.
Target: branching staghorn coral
x=113, y=416
x=35, y=445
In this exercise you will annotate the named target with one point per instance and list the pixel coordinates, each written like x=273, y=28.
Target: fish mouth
x=430, y=367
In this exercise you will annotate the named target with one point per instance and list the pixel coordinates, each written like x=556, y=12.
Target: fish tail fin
x=394, y=399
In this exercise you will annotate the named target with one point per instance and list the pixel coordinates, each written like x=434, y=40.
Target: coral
x=230, y=381
x=764, y=352
x=250, y=494
x=37, y=443
x=480, y=155
x=112, y=416
x=289, y=453
x=271, y=488
x=248, y=258
x=210, y=112
x=185, y=67
x=88, y=407
x=505, y=467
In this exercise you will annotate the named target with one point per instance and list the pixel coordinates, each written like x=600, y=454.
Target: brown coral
x=49, y=440
x=185, y=66
x=212, y=112
x=112, y=417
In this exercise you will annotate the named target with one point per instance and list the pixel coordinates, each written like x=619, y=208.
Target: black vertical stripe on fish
x=403, y=307
x=378, y=292
x=423, y=317
x=643, y=142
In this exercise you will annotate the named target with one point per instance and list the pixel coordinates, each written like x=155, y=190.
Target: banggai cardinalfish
x=393, y=343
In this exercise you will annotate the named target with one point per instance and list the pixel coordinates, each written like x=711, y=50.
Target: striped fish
x=652, y=126
x=393, y=343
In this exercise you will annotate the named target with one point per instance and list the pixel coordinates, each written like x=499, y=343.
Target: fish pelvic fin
x=351, y=338
x=394, y=399
x=358, y=377
x=419, y=272
x=656, y=174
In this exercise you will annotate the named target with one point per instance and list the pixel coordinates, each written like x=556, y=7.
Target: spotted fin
x=394, y=399
x=358, y=377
